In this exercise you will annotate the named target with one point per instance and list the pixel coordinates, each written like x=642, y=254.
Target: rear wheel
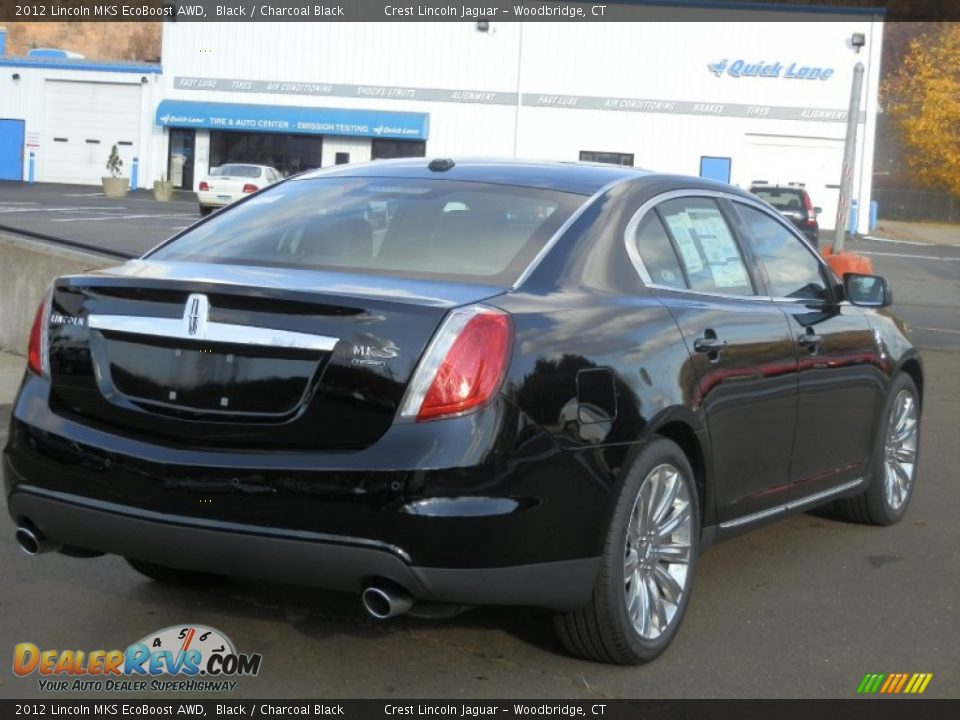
x=647, y=568
x=173, y=576
x=205, y=210
x=895, y=455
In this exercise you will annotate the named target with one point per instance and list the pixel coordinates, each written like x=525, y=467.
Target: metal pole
x=849, y=157
x=516, y=113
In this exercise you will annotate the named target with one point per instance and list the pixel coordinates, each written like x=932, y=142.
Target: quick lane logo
x=894, y=683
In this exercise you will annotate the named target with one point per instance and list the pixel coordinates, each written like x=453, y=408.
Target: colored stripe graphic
x=894, y=683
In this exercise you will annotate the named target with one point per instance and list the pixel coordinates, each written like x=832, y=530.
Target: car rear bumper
x=478, y=509
x=339, y=563
x=213, y=199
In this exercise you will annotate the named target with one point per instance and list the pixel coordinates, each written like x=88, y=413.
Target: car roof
x=574, y=177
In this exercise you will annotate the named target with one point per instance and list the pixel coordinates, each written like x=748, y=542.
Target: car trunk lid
x=209, y=354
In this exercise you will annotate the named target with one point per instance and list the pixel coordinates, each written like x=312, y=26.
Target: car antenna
x=441, y=164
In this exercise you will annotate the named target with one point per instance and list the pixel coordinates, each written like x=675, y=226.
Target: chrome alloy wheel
x=900, y=450
x=657, y=552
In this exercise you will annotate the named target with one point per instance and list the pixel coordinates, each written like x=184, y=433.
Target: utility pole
x=849, y=157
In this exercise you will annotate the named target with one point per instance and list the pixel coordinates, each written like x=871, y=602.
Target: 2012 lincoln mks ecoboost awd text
x=456, y=383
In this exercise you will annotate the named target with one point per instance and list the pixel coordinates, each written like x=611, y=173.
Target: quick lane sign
x=793, y=71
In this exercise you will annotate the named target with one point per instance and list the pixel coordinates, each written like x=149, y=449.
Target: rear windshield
x=462, y=231
x=242, y=171
x=781, y=198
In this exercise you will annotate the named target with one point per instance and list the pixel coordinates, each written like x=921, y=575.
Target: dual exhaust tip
x=33, y=542
x=380, y=601
x=384, y=601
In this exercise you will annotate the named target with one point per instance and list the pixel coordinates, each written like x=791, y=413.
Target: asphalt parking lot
x=803, y=608
x=132, y=225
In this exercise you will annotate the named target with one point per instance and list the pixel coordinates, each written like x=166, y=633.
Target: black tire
x=173, y=576
x=205, y=210
x=602, y=630
x=872, y=506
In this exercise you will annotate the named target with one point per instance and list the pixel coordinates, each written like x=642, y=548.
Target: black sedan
x=447, y=384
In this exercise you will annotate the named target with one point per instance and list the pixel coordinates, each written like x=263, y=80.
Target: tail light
x=204, y=186
x=811, y=213
x=37, y=351
x=250, y=187
x=463, y=366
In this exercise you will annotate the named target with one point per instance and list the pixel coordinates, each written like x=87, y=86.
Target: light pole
x=857, y=41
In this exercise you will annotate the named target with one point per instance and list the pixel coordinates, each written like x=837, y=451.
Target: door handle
x=810, y=340
x=709, y=344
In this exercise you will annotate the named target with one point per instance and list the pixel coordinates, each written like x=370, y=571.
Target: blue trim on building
x=758, y=6
x=293, y=119
x=82, y=64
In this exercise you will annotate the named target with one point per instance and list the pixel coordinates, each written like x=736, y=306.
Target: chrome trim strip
x=194, y=325
x=792, y=505
x=753, y=517
x=548, y=246
x=167, y=519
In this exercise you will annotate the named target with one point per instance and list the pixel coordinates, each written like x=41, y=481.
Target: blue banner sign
x=791, y=71
x=294, y=119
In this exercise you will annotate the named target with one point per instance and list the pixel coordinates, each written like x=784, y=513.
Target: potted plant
x=162, y=189
x=115, y=186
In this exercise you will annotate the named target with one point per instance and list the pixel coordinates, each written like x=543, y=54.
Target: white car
x=230, y=182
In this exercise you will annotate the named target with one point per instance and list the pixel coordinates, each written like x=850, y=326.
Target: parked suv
x=793, y=202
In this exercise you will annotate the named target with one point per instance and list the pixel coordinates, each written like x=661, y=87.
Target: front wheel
x=648, y=563
x=895, y=454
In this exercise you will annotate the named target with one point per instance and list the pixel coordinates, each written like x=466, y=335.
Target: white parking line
x=889, y=240
x=93, y=194
x=117, y=217
x=952, y=332
x=61, y=209
x=905, y=255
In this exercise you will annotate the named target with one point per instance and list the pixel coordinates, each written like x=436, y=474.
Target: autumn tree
x=922, y=98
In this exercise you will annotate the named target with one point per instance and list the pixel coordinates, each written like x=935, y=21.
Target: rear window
x=241, y=171
x=781, y=198
x=462, y=231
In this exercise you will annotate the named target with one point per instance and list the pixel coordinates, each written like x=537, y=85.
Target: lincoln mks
x=440, y=384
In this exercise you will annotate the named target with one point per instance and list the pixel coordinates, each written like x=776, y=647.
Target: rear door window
x=656, y=251
x=463, y=231
x=705, y=244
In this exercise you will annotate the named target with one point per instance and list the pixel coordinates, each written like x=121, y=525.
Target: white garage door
x=82, y=121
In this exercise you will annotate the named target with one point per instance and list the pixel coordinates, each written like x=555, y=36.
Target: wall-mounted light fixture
x=857, y=41
x=144, y=79
x=15, y=76
x=483, y=26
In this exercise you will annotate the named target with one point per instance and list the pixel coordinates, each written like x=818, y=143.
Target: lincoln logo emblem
x=195, y=316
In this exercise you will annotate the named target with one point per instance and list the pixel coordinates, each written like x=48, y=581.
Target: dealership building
x=711, y=95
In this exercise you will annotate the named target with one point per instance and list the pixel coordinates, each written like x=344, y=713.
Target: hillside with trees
x=95, y=40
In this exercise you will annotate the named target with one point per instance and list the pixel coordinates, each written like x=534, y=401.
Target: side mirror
x=817, y=210
x=867, y=290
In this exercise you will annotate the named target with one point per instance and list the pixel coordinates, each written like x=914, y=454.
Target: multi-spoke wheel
x=657, y=553
x=895, y=456
x=647, y=567
x=900, y=449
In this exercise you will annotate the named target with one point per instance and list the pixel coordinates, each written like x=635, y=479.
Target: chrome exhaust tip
x=385, y=602
x=32, y=541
